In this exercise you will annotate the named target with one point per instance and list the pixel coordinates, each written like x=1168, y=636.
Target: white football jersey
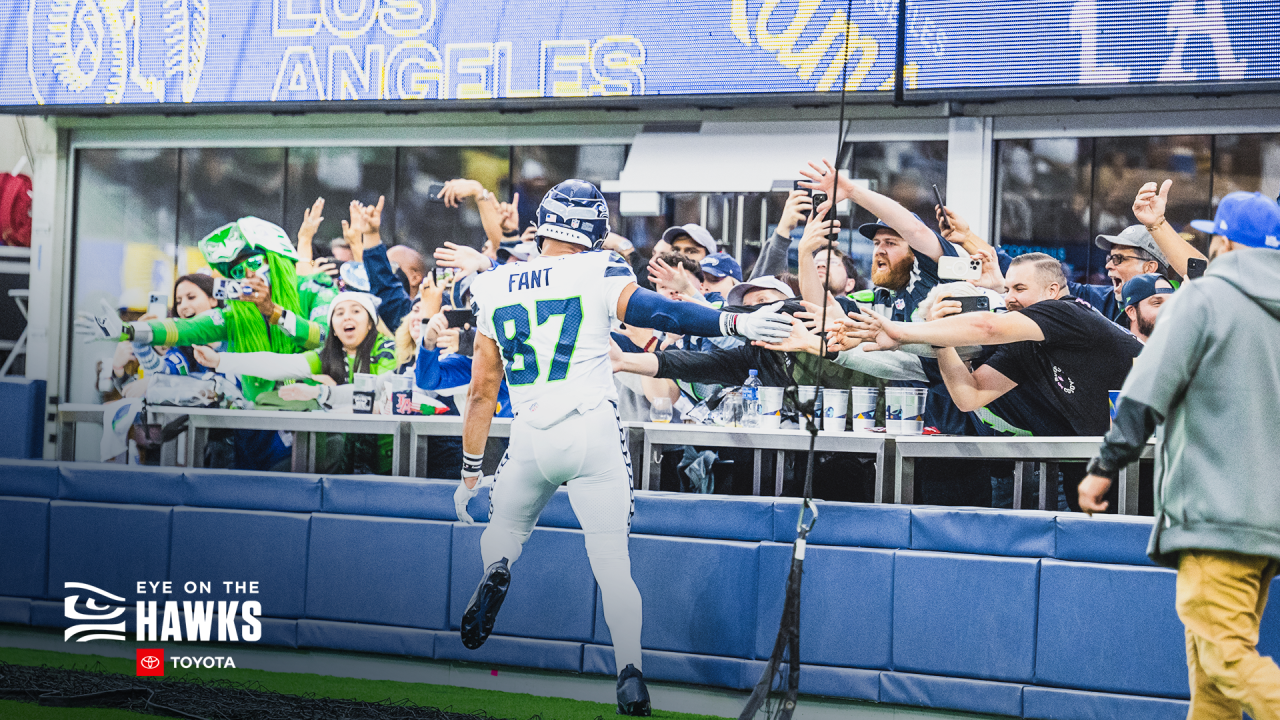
x=551, y=319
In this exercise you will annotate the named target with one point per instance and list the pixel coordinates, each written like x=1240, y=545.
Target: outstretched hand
x=800, y=340
x=311, y=220
x=1150, y=204
x=871, y=327
x=825, y=178
x=461, y=257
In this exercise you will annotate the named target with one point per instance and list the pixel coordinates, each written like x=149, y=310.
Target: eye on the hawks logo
x=150, y=661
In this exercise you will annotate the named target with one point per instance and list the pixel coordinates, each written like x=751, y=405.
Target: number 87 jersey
x=551, y=319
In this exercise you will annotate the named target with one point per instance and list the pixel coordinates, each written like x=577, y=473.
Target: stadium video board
x=154, y=55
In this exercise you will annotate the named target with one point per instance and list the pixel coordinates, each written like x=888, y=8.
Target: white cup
x=904, y=410
x=770, y=399
x=863, y=407
x=835, y=408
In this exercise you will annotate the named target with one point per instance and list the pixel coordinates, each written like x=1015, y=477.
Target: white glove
x=463, y=495
x=107, y=326
x=763, y=324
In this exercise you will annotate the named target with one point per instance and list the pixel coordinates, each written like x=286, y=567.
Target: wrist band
x=1097, y=468
x=127, y=332
x=649, y=345
x=1154, y=226
x=471, y=464
x=729, y=324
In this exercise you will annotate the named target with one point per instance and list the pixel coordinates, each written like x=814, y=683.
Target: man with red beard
x=904, y=263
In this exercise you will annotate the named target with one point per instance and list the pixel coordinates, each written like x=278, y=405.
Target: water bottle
x=751, y=401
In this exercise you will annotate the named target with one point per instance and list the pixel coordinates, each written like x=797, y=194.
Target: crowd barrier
x=23, y=401
x=894, y=456
x=1017, y=613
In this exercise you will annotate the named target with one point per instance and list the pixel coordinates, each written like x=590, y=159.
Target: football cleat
x=482, y=611
x=633, y=695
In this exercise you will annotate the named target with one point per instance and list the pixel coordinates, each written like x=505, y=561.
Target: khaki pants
x=1220, y=600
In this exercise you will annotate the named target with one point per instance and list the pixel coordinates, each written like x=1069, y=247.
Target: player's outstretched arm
x=645, y=308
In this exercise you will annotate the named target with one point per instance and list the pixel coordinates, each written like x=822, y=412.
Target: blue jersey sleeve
x=649, y=309
x=383, y=282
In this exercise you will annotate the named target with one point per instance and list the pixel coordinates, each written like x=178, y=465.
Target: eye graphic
x=92, y=631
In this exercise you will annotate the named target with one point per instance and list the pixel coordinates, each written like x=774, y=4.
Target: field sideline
x=512, y=706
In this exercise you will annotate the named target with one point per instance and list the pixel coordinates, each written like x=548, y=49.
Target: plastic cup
x=835, y=409
x=660, y=410
x=904, y=410
x=809, y=393
x=862, y=407
x=401, y=383
x=364, y=382
x=770, y=407
x=1113, y=396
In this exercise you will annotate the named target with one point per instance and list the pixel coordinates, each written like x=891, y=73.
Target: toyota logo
x=150, y=662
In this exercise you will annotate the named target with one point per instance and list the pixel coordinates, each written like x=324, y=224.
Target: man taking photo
x=1209, y=375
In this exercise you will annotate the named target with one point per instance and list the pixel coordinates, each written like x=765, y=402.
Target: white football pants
x=589, y=452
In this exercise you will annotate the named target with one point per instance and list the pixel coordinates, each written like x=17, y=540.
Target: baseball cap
x=765, y=282
x=1248, y=218
x=1132, y=236
x=722, y=265
x=1141, y=287
x=868, y=230
x=521, y=251
x=696, y=232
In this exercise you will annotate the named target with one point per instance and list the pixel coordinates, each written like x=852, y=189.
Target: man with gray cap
x=1131, y=253
x=692, y=240
x=1208, y=374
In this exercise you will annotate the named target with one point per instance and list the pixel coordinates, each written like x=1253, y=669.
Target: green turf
x=497, y=704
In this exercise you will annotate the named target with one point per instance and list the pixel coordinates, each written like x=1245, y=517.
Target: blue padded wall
x=552, y=593
x=1136, y=643
x=855, y=524
x=24, y=546
x=679, y=667
x=242, y=546
x=846, y=613
x=360, y=637
x=1119, y=539
x=29, y=478
x=109, y=546
x=718, y=517
x=234, y=489
x=406, y=560
x=15, y=610
x=965, y=615
x=395, y=497
x=23, y=401
x=950, y=693
x=699, y=595
x=123, y=484
x=1023, y=533
x=840, y=682
x=1055, y=704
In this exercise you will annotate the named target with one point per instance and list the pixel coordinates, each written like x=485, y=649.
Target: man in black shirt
x=1055, y=345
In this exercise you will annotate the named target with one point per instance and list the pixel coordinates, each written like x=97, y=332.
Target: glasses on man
x=253, y=263
x=1119, y=259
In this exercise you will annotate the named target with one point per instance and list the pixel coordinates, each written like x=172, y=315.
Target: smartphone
x=976, y=303
x=444, y=275
x=818, y=199
x=959, y=268
x=937, y=195
x=459, y=318
x=1196, y=268
x=157, y=305
x=224, y=289
x=433, y=192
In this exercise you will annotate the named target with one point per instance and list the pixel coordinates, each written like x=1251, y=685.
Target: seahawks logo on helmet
x=574, y=211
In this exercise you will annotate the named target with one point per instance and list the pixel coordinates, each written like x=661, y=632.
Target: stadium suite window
x=221, y=185
x=1056, y=194
x=424, y=223
x=339, y=175
x=125, y=225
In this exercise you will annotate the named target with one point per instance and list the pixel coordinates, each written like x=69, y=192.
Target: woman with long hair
x=353, y=345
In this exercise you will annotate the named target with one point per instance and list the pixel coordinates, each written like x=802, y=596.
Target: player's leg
x=602, y=500
x=515, y=502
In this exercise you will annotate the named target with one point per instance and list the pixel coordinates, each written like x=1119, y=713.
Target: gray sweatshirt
x=1211, y=374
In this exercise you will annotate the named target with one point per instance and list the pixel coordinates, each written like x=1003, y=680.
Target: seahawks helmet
x=574, y=211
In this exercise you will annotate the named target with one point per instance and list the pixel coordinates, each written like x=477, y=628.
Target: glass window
x=422, y=221
x=1044, y=192
x=904, y=171
x=1246, y=162
x=125, y=227
x=339, y=175
x=221, y=185
x=536, y=169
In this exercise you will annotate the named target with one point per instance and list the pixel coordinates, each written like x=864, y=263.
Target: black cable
x=788, y=639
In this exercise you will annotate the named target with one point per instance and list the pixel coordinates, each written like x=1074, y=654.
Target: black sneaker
x=633, y=696
x=482, y=611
